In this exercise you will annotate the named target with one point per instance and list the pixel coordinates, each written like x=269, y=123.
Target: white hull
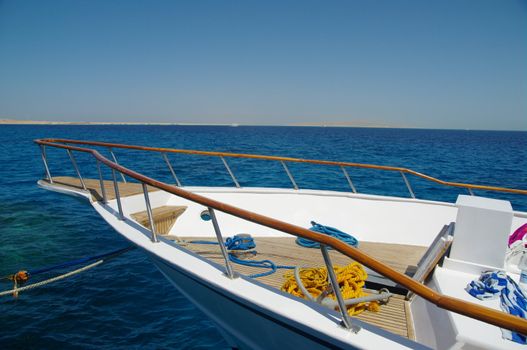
x=246, y=325
x=251, y=315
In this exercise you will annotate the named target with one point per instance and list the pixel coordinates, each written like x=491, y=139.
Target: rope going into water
x=17, y=290
x=21, y=277
x=108, y=255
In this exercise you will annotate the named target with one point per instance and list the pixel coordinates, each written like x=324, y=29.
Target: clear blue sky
x=442, y=64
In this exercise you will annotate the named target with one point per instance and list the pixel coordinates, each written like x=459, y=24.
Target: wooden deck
x=164, y=217
x=94, y=187
x=393, y=316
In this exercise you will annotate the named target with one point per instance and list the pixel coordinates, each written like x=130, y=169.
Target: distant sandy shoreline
x=356, y=124
x=43, y=122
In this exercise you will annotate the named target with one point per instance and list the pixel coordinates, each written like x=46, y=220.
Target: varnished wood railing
x=296, y=160
x=478, y=312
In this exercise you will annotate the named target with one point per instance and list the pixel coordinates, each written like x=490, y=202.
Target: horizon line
x=310, y=124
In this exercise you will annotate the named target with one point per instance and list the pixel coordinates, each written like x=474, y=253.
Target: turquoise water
x=127, y=303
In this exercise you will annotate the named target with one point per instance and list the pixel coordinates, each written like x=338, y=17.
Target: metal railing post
x=74, y=162
x=150, y=216
x=348, y=178
x=470, y=191
x=117, y=196
x=171, y=169
x=230, y=172
x=408, y=185
x=230, y=272
x=44, y=159
x=101, y=182
x=289, y=174
x=115, y=161
x=346, y=320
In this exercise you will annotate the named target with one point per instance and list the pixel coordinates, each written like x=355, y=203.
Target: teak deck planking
x=164, y=217
x=393, y=316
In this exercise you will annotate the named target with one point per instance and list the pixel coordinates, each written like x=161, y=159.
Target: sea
x=127, y=303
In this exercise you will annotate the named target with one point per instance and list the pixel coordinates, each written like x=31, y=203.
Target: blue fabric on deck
x=492, y=284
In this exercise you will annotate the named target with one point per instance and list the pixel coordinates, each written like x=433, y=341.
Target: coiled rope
x=327, y=230
x=313, y=284
x=244, y=242
x=240, y=241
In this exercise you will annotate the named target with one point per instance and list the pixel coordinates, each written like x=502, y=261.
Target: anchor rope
x=17, y=289
x=80, y=261
x=21, y=277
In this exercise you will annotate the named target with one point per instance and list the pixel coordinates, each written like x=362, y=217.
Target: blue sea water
x=127, y=303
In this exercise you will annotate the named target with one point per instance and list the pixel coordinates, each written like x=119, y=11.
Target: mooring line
x=17, y=290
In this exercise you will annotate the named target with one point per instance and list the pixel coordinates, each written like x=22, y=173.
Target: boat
x=419, y=255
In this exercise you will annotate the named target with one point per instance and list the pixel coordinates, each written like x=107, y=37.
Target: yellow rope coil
x=351, y=279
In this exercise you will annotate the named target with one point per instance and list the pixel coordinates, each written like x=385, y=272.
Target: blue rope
x=238, y=242
x=259, y=263
x=327, y=230
x=79, y=261
x=204, y=242
x=245, y=243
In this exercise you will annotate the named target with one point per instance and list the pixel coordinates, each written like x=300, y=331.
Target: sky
x=428, y=64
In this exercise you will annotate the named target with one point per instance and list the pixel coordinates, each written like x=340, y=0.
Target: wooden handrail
x=478, y=312
x=289, y=159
